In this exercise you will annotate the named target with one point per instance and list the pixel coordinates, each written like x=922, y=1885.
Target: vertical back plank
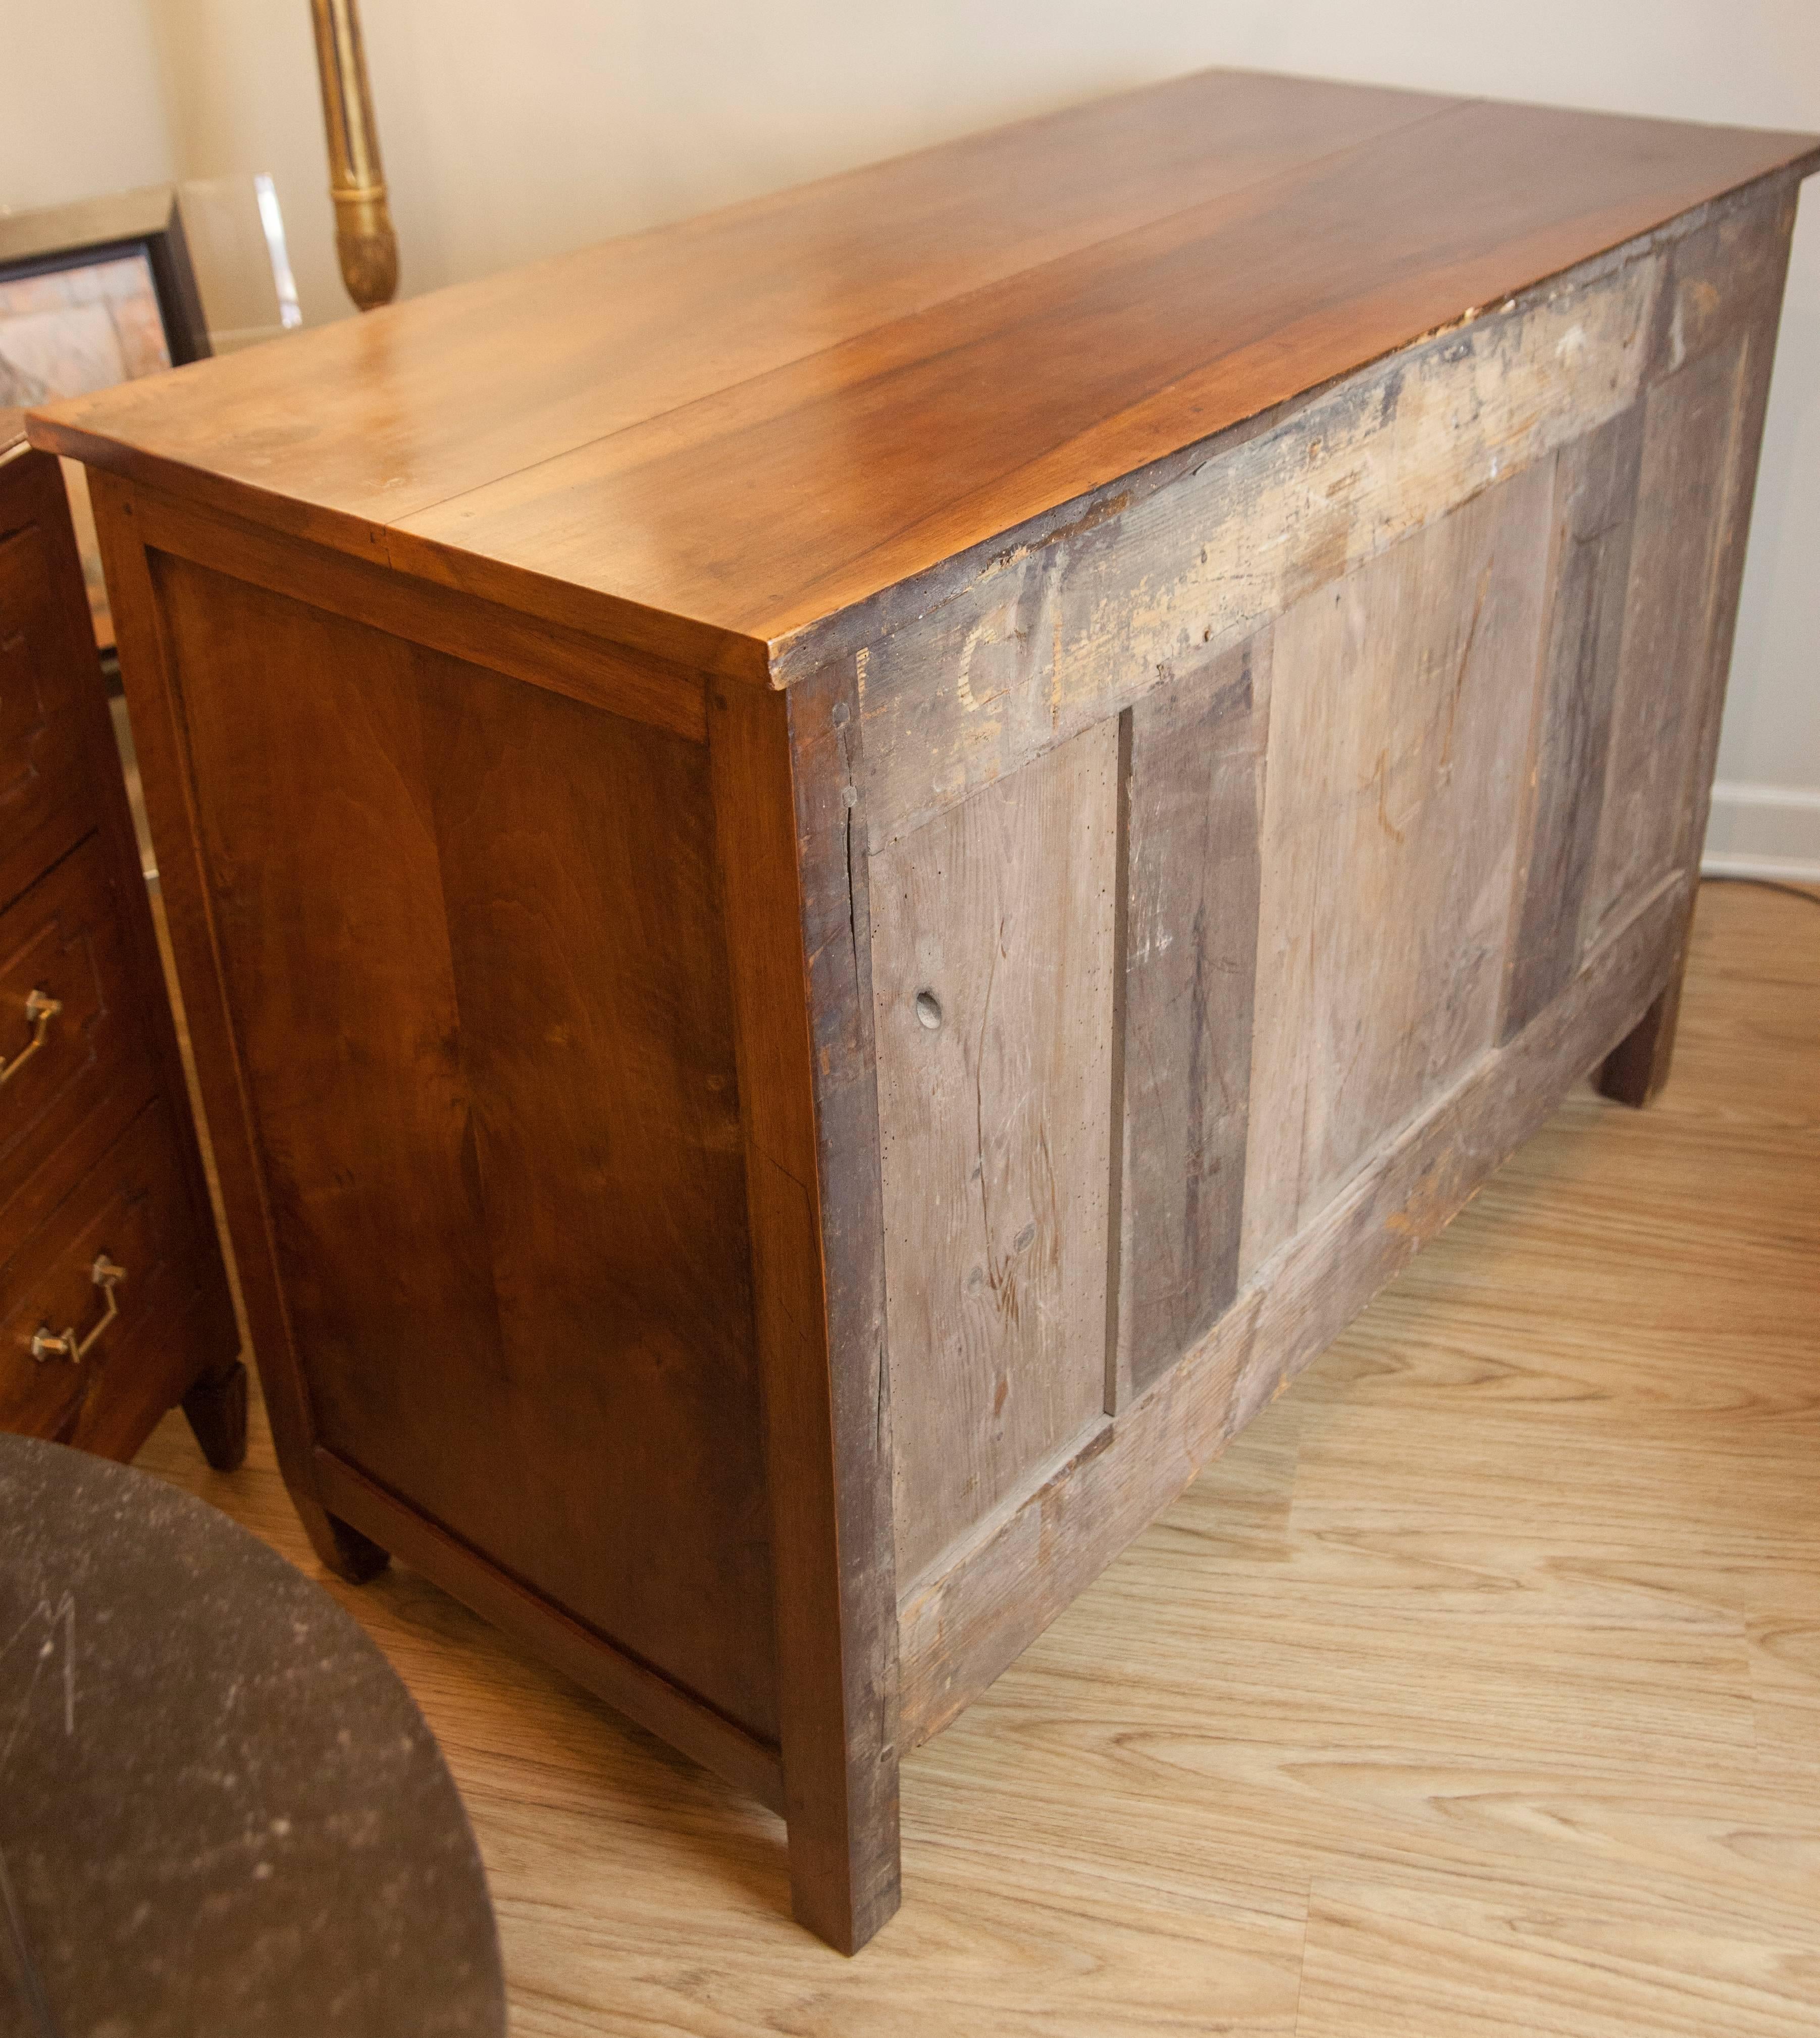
x=1762, y=316
x=1690, y=453
x=1594, y=508
x=1194, y=797
x=1402, y=703
x=819, y=1347
x=992, y=968
x=1750, y=256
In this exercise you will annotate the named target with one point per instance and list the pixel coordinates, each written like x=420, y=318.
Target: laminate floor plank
x=1474, y=1692
x=1387, y=1960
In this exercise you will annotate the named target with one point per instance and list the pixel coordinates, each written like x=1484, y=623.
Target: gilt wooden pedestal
x=846, y=874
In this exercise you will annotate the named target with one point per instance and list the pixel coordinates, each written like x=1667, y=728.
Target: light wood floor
x=1476, y=1691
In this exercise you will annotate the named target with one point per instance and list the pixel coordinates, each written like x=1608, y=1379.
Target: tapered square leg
x=350, y=1555
x=216, y=1411
x=1635, y=1070
x=844, y=1857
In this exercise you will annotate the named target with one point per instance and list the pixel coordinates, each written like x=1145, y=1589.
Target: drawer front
x=72, y=1078
x=43, y=661
x=132, y=1213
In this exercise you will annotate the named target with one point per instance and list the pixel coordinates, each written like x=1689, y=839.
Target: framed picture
x=91, y=294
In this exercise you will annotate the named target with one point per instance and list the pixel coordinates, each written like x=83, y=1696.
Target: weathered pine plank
x=1194, y=794
x=1047, y=640
x=1701, y=423
x=1752, y=253
x=1690, y=429
x=1401, y=706
x=960, y=1629
x=1723, y=277
x=1703, y=316
x=1595, y=506
x=992, y=968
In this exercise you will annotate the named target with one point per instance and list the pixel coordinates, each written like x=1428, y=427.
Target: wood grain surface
x=1400, y=716
x=99, y=1150
x=1475, y=1690
x=1691, y=453
x=1195, y=787
x=43, y=812
x=1719, y=315
x=993, y=969
x=858, y=1584
x=519, y=1227
x=94, y=1073
x=1595, y=507
x=1044, y=637
x=821, y=1372
x=708, y=439
x=961, y=1629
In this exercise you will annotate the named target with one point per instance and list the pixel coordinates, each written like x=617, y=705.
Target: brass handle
x=47, y=1344
x=40, y=1010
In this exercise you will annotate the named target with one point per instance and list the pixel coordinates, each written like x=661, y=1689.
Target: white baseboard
x=1763, y=831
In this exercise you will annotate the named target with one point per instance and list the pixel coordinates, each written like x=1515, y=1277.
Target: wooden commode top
x=708, y=438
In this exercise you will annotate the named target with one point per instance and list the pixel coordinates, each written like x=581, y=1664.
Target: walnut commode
x=846, y=874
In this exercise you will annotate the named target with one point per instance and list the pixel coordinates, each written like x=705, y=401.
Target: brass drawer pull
x=40, y=1010
x=106, y=1276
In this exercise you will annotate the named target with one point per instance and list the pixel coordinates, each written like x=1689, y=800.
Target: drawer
x=74, y=1079
x=43, y=803
x=130, y=1212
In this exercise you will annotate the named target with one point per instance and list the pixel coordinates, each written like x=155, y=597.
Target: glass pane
x=236, y=238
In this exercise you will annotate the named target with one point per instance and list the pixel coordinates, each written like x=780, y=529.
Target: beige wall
x=513, y=130
x=80, y=108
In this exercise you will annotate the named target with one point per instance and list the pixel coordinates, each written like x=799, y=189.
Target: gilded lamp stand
x=365, y=242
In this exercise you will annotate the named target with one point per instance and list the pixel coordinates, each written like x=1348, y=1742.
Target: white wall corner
x=1763, y=831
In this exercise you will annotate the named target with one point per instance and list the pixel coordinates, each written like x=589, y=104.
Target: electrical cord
x=1762, y=884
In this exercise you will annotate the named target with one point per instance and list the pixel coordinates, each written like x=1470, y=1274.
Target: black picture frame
x=57, y=239
x=145, y=222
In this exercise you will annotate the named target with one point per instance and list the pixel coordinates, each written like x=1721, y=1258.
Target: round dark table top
x=221, y=1812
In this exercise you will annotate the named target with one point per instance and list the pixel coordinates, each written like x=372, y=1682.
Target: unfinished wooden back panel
x=1247, y=866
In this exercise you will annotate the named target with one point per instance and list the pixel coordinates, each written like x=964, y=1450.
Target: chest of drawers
x=847, y=874
x=114, y=1302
